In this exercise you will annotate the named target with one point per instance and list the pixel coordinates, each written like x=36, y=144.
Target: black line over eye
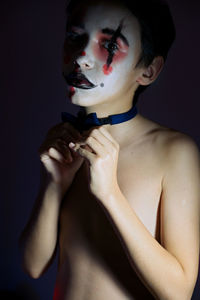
x=110, y=46
x=113, y=40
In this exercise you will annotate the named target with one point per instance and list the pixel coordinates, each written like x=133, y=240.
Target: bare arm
x=39, y=239
x=169, y=270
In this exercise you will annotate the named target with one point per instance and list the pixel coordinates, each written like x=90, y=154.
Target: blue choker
x=85, y=122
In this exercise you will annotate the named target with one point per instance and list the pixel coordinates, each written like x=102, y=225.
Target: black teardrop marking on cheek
x=113, y=40
x=102, y=84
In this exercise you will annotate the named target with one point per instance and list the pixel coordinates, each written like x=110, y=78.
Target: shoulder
x=181, y=158
x=172, y=148
x=167, y=144
x=179, y=147
x=173, y=143
x=177, y=141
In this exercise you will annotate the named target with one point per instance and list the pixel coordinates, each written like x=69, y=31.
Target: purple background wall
x=33, y=94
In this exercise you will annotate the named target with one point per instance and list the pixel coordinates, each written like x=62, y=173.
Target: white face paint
x=87, y=42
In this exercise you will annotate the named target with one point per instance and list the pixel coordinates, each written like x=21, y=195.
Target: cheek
x=121, y=54
x=70, y=50
x=107, y=70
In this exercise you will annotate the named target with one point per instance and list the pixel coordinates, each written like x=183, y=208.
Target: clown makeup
x=112, y=45
x=100, y=54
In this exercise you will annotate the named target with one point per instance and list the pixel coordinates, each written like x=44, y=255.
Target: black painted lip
x=79, y=80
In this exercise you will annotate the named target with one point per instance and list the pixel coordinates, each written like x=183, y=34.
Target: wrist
x=51, y=190
x=108, y=196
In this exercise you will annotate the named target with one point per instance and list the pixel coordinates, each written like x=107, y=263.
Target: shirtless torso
x=116, y=200
x=93, y=264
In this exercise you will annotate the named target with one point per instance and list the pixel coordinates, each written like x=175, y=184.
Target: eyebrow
x=106, y=30
x=110, y=31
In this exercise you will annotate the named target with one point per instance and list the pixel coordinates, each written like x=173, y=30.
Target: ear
x=150, y=73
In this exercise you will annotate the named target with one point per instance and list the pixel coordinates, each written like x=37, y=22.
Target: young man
x=121, y=200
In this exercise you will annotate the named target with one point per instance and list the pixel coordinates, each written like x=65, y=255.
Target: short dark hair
x=156, y=28
x=157, y=31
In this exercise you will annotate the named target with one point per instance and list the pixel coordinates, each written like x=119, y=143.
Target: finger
x=86, y=154
x=75, y=146
x=96, y=146
x=60, y=146
x=102, y=139
x=49, y=163
x=53, y=153
x=64, y=149
x=108, y=135
x=44, y=156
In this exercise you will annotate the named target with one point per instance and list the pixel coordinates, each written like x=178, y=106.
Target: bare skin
x=92, y=261
x=123, y=203
x=91, y=255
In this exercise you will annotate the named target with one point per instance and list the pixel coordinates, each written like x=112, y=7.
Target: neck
x=118, y=105
x=120, y=132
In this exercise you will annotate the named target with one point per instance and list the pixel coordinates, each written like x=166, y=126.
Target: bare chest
x=87, y=235
x=139, y=178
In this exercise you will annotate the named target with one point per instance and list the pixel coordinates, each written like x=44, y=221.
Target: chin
x=92, y=97
x=82, y=100
x=85, y=98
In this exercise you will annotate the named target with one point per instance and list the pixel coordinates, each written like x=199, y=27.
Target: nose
x=85, y=61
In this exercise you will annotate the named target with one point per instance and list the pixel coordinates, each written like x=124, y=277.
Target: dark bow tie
x=85, y=122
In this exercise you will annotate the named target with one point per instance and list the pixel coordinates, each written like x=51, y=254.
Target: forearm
x=39, y=238
x=157, y=268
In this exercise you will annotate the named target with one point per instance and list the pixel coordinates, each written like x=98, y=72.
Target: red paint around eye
x=83, y=53
x=107, y=70
x=102, y=54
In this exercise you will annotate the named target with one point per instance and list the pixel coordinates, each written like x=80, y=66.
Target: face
x=101, y=49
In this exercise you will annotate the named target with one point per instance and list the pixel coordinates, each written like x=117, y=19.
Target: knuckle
x=89, y=139
x=52, y=149
x=44, y=156
x=94, y=131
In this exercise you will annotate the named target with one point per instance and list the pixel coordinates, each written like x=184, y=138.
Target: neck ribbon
x=85, y=122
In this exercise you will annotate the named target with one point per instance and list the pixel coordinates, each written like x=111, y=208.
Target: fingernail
x=71, y=145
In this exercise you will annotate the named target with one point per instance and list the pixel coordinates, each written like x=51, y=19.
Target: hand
x=60, y=162
x=102, y=156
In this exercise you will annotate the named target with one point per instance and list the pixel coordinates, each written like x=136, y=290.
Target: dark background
x=33, y=93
